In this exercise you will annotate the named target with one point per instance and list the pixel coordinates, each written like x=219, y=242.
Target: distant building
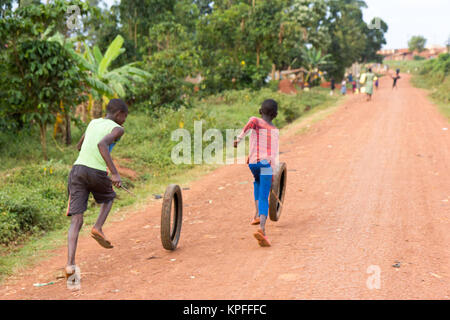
x=404, y=54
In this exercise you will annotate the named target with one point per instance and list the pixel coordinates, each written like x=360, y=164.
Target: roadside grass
x=33, y=192
x=439, y=94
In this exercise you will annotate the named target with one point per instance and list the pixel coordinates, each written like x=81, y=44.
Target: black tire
x=171, y=234
x=279, y=189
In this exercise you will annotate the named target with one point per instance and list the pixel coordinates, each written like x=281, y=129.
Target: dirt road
x=367, y=186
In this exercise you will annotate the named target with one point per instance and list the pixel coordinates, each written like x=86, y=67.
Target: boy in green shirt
x=89, y=175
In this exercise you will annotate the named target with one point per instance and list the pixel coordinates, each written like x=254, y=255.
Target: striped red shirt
x=263, y=141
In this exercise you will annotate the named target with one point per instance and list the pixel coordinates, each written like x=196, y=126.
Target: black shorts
x=84, y=180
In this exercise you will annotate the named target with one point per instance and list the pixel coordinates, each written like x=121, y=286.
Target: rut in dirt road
x=368, y=190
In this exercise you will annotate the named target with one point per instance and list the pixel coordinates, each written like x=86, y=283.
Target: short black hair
x=370, y=69
x=116, y=105
x=269, y=107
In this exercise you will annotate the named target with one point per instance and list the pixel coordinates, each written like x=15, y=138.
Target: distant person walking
x=369, y=84
x=344, y=87
x=358, y=84
x=395, y=79
x=350, y=78
x=333, y=86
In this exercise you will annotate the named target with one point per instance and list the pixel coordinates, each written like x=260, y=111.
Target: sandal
x=101, y=239
x=262, y=239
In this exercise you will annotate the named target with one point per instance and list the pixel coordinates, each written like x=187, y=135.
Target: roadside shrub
x=166, y=87
x=273, y=85
x=32, y=200
x=227, y=74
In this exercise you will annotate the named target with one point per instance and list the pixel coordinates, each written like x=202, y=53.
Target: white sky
x=406, y=18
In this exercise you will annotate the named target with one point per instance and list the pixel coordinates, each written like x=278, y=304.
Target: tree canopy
x=228, y=44
x=417, y=43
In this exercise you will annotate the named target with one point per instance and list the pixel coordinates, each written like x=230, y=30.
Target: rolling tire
x=278, y=189
x=170, y=232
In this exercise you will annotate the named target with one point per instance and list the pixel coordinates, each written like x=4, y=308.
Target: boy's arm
x=250, y=125
x=103, y=147
x=80, y=143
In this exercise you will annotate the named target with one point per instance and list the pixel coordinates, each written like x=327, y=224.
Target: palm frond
x=130, y=70
x=99, y=86
x=118, y=88
x=113, y=51
x=82, y=62
x=98, y=55
x=88, y=54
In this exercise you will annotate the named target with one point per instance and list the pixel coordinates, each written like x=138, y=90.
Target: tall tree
x=347, y=31
x=42, y=76
x=417, y=43
x=5, y=5
x=310, y=16
x=134, y=15
x=374, y=40
x=205, y=6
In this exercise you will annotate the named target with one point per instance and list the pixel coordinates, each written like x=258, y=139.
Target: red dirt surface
x=286, y=86
x=124, y=171
x=369, y=185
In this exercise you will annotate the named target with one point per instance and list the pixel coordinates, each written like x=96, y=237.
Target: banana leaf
x=113, y=51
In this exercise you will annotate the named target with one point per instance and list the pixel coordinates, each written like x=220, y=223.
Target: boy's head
x=117, y=110
x=269, y=108
x=370, y=69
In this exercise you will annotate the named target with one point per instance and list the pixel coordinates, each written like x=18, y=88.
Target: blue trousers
x=262, y=172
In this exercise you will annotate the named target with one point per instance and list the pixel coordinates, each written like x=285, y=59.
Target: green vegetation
x=38, y=76
x=417, y=43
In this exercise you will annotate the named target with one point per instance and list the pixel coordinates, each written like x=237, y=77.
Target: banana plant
x=106, y=83
x=313, y=60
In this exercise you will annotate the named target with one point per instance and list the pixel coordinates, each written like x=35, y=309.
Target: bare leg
x=256, y=207
x=262, y=223
x=75, y=227
x=105, y=208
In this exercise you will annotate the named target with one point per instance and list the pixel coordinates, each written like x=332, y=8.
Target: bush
x=274, y=85
x=432, y=74
x=32, y=200
x=166, y=87
x=438, y=68
x=227, y=74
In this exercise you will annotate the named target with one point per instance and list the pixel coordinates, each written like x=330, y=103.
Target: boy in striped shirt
x=262, y=160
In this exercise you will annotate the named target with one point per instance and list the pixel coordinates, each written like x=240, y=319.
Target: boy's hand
x=116, y=181
x=115, y=134
x=236, y=142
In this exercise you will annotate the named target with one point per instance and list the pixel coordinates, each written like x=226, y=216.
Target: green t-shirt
x=89, y=154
